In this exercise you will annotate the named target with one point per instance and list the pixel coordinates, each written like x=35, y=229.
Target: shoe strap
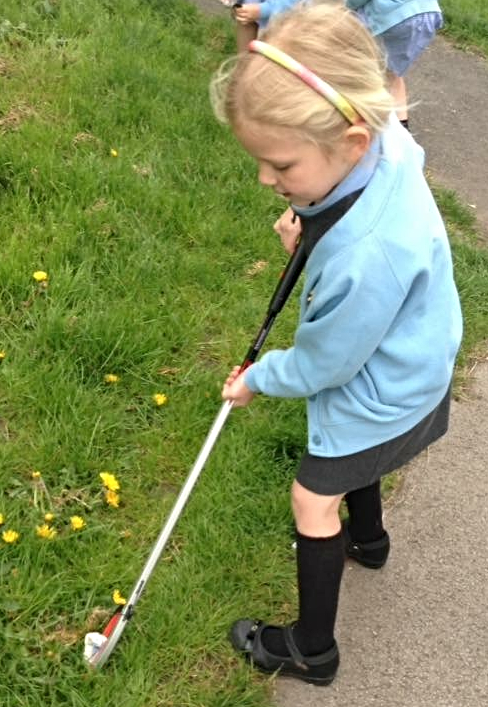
x=374, y=544
x=297, y=657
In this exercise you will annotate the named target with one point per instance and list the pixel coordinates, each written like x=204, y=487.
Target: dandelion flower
x=112, y=498
x=2, y=519
x=40, y=276
x=10, y=536
x=77, y=523
x=49, y=517
x=118, y=598
x=114, y=152
x=45, y=531
x=160, y=399
x=111, y=378
x=36, y=475
x=110, y=481
x=3, y=354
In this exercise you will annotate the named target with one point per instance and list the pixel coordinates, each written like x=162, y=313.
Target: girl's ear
x=357, y=141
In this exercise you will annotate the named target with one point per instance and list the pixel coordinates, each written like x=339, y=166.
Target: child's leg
x=320, y=561
x=398, y=90
x=366, y=540
x=365, y=513
x=245, y=34
x=404, y=43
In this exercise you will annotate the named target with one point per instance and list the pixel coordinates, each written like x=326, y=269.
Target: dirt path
x=451, y=121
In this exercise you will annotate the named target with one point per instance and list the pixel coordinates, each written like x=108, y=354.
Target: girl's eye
x=282, y=168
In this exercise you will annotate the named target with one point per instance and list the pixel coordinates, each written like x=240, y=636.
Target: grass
x=467, y=23
x=117, y=182
x=471, y=267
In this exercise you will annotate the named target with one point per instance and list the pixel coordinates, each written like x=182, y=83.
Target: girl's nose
x=266, y=175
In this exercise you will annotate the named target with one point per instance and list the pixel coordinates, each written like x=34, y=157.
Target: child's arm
x=236, y=390
x=268, y=8
x=346, y=317
x=289, y=228
x=246, y=14
x=245, y=33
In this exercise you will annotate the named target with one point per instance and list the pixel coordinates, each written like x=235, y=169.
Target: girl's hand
x=247, y=13
x=236, y=390
x=289, y=228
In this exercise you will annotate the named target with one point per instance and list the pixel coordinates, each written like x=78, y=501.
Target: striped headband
x=308, y=77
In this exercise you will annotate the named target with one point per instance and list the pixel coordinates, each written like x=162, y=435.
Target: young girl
x=404, y=28
x=380, y=321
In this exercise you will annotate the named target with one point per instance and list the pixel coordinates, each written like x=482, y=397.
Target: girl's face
x=294, y=168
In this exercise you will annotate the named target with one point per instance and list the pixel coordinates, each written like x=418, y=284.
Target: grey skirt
x=331, y=476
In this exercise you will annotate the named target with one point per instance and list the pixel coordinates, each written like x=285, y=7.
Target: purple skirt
x=404, y=42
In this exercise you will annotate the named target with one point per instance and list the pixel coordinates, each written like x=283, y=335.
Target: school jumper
x=269, y=8
x=380, y=320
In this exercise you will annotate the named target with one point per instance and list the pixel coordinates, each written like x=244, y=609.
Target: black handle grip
x=288, y=279
x=286, y=284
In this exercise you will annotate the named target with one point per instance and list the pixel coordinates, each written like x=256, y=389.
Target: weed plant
x=117, y=183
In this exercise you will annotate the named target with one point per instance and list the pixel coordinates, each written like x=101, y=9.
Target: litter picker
x=99, y=646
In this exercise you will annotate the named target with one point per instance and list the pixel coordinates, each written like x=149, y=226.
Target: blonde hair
x=330, y=41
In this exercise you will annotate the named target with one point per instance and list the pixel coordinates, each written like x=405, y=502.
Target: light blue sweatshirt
x=269, y=8
x=380, y=320
x=380, y=15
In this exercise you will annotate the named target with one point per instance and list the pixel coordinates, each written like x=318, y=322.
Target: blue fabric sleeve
x=268, y=8
x=344, y=324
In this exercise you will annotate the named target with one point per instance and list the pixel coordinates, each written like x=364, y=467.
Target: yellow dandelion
x=3, y=354
x=77, y=523
x=40, y=276
x=36, y=475
x=10, y=536
x=114, y=152
x=111, y=378
x=112, y=498
x=49, y=517
x=110, y=481
x=118, y=598
x=160, y=399
x=2, y=519
x=46, y=532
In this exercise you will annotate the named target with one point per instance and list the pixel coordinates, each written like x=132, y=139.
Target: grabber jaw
x=93, y=644
x=99, y=646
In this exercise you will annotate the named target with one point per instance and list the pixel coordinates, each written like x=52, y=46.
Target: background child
x=380, y=320
x=405, y=28
x=252, y=17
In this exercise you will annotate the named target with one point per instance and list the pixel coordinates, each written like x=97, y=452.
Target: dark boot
x=371, y=554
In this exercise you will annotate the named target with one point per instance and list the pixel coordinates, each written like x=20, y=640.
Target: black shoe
x=246, y=637
x=372, y=555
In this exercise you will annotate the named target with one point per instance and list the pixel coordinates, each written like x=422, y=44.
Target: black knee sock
x=320, y=562
x=365, y=513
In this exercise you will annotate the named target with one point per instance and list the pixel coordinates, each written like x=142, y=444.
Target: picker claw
x=93, y=643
